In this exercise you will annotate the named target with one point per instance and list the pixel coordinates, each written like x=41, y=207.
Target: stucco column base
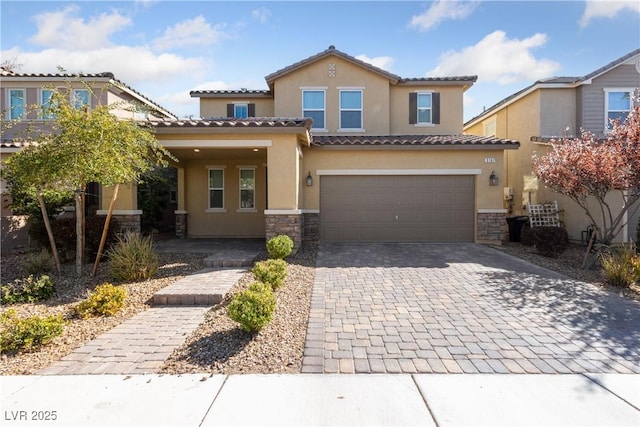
x=181, y=224
x=492, y=227
x=289, y=224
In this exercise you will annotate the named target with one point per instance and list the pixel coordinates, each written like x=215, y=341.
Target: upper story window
x=46, y=104
x=618, y=104
x=241, y=110
x=216, y=189
x=17, y=103
x=247, y=188
x=313, y=106
x=351, y=109
x=81, y=98
x=424, y=108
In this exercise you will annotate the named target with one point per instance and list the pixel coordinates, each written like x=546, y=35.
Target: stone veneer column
x=284, y=222
x=124, y=220
x=310, y=226
x=181, y=224
x=492, y=225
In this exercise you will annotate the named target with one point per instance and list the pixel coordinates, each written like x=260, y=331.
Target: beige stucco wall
x=487, y=197
x=217, y=107
x=451, y=114
x=558, y=112
x=283, y=160
x=375, y=89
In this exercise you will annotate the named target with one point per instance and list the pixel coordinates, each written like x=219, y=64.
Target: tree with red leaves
x=590, y=168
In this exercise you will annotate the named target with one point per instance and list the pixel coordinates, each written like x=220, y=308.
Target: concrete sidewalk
x=322, y=400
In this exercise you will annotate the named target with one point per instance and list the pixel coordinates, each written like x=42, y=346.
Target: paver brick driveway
x=461, y=308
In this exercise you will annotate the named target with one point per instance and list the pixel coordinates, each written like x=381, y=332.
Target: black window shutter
x=435, y=103
x=413, y=108
x=230, y=110
x=252, y=110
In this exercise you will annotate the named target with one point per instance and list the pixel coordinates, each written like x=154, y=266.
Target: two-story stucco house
x=338, y=150
x=553, y=108
x=21, y=95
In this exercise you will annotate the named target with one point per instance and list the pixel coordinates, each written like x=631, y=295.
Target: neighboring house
x=553, y=108
x=21, y=92
x=337, y=150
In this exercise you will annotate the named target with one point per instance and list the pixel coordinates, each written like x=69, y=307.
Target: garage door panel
x=397, y=208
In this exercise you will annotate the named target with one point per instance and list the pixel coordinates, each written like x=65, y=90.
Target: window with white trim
x=241, y=111
x=216, y=188
x=81, y=98
x=247, y=188
x=425, y=108
x=46, y=104
x=313, y=105
x=617, y=105
x=351, y=109
x=17, y=103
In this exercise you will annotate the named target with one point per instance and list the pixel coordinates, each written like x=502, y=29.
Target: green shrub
x=621, y=267
x=132, y=258
x=38, y=262
x=272, y=272
x=27, y=334
x=106, y=300
x=27, y=290
x=551, y=241
x=279, y=247
x=254, y=307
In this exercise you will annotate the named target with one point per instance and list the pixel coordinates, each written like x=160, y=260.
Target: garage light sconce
x=493, y=179
x=309, y=180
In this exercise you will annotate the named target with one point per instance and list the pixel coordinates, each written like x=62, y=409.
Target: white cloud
x=129, y=64
x=606, y=9
x=498, y=58
x=64, y=28
x=384, y=62
x=442, y=10
x=262, y=14
x=196, y=31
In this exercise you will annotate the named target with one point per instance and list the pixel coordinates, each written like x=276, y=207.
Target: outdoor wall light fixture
x=309, y=179
x=493, y=179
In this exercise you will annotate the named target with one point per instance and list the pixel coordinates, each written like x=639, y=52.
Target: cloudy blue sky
x=167, y=48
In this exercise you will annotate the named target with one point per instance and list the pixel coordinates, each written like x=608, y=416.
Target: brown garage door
x=397, y=208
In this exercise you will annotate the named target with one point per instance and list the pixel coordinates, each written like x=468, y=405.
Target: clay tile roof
x=230, y=122
x=225, y=93
x=470, y=79
x=462, y=140
x=14, y=143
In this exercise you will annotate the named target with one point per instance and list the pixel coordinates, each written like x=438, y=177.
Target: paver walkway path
x=461, y=308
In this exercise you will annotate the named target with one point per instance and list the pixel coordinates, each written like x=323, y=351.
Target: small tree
x=588, y=169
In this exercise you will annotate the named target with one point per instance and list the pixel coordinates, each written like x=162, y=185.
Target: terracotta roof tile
x=230, y=122
x=462, y=140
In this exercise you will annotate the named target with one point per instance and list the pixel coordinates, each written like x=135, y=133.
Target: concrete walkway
x=461, y=308
x=322, y=400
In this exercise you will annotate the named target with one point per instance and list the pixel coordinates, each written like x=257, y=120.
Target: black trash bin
x=516, y=224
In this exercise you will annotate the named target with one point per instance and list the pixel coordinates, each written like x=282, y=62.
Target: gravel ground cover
x=69, y=292
x=219, y=345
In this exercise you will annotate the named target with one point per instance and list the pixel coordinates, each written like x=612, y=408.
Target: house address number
x=489, y=160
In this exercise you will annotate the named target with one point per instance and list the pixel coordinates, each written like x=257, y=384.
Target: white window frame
x=324, y=101
x=240, y=189
x=242, y=104
x=74, y=98
x=9, y=106
x=418, y=122
x=209, y=189
x=42, y=104
x=627, y=90
x=361, y=109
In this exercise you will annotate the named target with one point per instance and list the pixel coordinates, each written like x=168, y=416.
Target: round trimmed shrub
x=551, y=241
x=273, y=272
x=254, y=307
x=279, y=247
